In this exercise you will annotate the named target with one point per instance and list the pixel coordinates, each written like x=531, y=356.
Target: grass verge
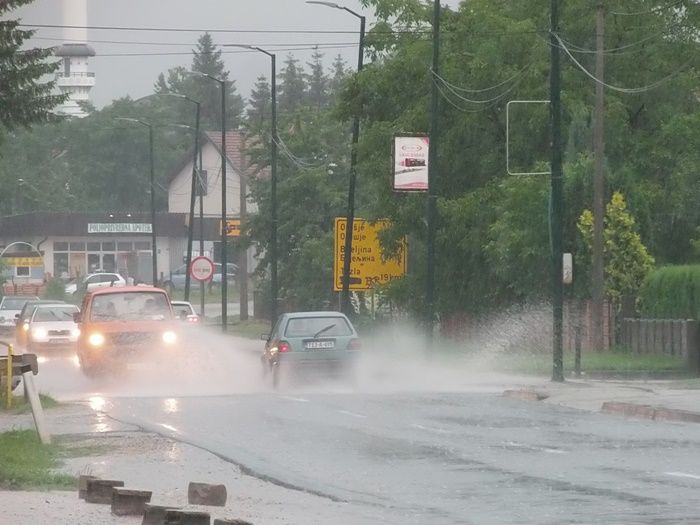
x=27, y=464
x=612, y=362
x=250, y=329
x=20, y=405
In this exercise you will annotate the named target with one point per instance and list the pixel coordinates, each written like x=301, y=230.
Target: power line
x=483, y=90
x=452, y=89
x=611, y=51
x=642, y=89
x=183, y=44
x=446, y=97
x=190, y=53
x=648, y=11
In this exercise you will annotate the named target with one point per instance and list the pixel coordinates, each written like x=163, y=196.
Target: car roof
x=315, y=314
x=181, y=303
x=51, y=305
x=125, y=289
x=25, y=297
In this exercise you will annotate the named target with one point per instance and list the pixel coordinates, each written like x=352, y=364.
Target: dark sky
x=117, y=76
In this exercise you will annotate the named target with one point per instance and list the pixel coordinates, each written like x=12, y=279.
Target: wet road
x=401, y=457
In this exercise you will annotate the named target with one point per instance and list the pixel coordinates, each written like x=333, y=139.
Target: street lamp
x=273, y=180
x=154, y=251
x=347, y=250
x=224, y=261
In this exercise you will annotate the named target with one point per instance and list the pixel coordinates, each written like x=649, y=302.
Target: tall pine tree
x=317, y=81
x=292, y=87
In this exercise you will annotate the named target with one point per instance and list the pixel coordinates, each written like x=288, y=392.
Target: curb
x=525, y=395
x=650, y=412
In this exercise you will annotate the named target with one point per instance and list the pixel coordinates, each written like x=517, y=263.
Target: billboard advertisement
x=411, y=163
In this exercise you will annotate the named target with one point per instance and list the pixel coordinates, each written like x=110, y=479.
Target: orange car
x=124, y=325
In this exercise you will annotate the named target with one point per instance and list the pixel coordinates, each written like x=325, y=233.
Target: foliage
x=55, y=289
x=672, y=292
x=26, y=463
x=627, y=261
x=24, y=99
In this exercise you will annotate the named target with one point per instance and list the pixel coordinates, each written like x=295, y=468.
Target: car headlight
x=75, y=332
x=169, y=337
x=39, y=333
x=25, y=327
x=96, y=339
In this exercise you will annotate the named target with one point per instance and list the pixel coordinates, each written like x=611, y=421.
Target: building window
x=108, y=246
x=124, y=246
x=201, y=188
x=142, y=245
x=60, y=265
x=77, y=246
x=93, y=246
x=22, y=271
x=60, y=246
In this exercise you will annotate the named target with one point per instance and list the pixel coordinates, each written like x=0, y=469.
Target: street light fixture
x=154, y=251
x=347, y=250
x=224, y=261
x=274, y=292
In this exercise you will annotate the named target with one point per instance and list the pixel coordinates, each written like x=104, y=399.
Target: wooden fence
x=675, y=337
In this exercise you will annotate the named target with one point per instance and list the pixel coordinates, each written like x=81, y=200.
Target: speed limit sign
x=201, y=268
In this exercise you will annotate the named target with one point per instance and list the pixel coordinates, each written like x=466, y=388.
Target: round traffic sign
x=201, y=268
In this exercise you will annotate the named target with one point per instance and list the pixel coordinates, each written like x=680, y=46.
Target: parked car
x=22, y=319
x=178, y=277
x=324, y=342
x=185, y=311
x=124, y=325
x=10, y=306
x=52, y=327
x=94, y=280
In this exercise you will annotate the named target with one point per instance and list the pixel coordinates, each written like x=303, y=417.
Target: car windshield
x=317, y=326
x=182, y=310
x=129, y=306
x=13, y=303
x=45, y=314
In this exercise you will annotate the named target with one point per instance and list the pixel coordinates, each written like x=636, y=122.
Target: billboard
x=411, y=163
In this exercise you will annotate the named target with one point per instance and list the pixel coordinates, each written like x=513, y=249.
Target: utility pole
x=242, y=240
x=557, y=198
x=432, y=169
x=598, y=274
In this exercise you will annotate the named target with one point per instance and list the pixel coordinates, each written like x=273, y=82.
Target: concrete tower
x=73, y=77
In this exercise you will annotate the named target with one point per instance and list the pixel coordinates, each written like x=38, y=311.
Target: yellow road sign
x=233, y=227
x=34, y=262
x=367, y=267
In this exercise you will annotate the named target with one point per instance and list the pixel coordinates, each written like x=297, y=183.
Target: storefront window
x=60, y=246
x=142, y=245
x=22, y=271
x=77, y=246
x=124, y=246
x=108, y=246
x=93, y=246
x=60, y=265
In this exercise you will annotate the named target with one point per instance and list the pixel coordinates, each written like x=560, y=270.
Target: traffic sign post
x=202, y=268
x=368, y=267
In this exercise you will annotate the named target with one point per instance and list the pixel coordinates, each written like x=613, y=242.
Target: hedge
x=672, y=292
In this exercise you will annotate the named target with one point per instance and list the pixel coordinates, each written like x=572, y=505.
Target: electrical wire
x=641, y=89
x=469, y=100
x=611, y=51
x=183, y=44
x=649, y=11
x=483, y=90
x=457, y=106
x=189, y=53
x=298, y=161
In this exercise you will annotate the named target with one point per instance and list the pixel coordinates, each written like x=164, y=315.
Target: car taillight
x=354, y=344
x=283, y=346
x=193, y=318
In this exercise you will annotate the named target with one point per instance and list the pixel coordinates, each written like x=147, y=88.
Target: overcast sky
x=117, y=76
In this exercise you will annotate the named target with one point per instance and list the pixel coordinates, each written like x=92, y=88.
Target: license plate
x=316, y=345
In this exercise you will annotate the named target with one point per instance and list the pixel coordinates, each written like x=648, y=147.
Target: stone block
x=231, y=522
x=126, y=502
x=82, y=484
x=186, y=517
x=206, y=494
x=525, y=395
x=155, y=514
x=628, y=409
x=100, y=490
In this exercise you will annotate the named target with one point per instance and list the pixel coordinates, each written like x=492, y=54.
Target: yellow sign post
x=368, y=268
x=233, y=228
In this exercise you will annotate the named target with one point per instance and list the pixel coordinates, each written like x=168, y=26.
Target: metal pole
x=598, y=273
x=347, y=249
x=8, y=399
x=154, y=249
x=242, y=243
x=273, y=196
x=557, y=199
x=201, y=230
x=193, y=194
x=432, y=169
x=224, y=257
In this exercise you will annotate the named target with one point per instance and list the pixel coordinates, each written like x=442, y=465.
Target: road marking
x=535, y=448
x=431, y=429
x=298, y=399
x=682, y=475
x=353, y=414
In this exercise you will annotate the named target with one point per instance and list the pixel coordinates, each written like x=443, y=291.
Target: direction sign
x=233, y=227
x=201, y=268
x=368, y=268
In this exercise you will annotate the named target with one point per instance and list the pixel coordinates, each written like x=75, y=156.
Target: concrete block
x=126, y=502
x=155, y=514
x=525, y=395
x=82, y=485
x=668, y=414
x=206, y=494
x=186, y=517
x=100, y=490
x=232, y=522
x=628, y=409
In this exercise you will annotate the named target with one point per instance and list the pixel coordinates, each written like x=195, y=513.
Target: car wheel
x=276, y=375
x=88, y=368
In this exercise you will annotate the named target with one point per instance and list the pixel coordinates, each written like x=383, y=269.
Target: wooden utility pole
x=242, y=273
x=598, y=273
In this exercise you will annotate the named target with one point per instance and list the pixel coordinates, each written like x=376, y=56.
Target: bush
x=672, y=292
x=55, y=289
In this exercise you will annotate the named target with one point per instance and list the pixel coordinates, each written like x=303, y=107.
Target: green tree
x=258, y=112
x=291, y=86
x=24, y=99
x=317, y=81
x=627, y=261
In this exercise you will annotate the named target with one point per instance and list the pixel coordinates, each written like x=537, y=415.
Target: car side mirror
x=76, y=317
x=16, y=317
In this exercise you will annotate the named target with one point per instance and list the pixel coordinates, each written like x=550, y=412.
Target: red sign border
x=213, y=268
